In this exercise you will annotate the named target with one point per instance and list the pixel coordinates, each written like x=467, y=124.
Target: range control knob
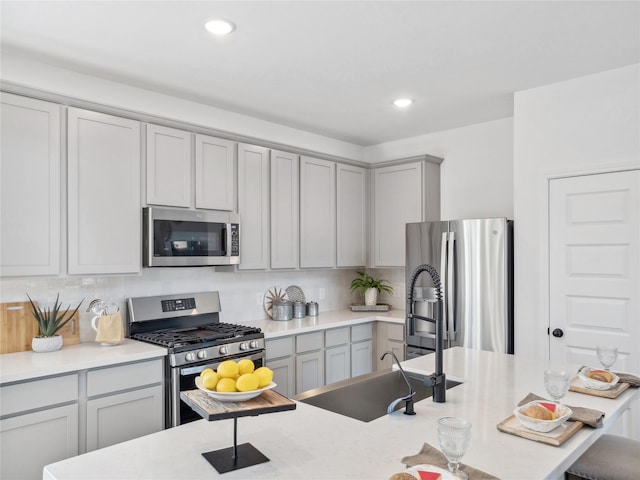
x=253, y=344
x=190, y=357
x=244, y=346
x=202, y=354
x=224, y=350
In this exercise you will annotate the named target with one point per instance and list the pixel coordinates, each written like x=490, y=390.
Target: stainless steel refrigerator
x=474, y=259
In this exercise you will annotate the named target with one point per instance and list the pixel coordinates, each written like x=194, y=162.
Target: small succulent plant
x=51, y=319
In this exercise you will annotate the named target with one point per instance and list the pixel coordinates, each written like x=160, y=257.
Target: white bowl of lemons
x=235, y=381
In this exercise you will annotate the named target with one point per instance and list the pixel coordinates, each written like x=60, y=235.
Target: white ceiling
x=333, y=67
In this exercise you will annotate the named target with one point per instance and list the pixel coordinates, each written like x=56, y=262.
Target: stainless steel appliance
x=474, y=259
x=189, y=238
x=189, y=326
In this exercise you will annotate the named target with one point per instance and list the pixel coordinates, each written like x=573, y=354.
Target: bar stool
x=609, y=458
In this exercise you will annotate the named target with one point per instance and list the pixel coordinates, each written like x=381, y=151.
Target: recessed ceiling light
x=402, y=102
x=219, y=27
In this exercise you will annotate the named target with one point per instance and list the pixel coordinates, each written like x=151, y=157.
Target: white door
x=594, y=268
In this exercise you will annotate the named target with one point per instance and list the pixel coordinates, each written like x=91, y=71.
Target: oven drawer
x=123, y=377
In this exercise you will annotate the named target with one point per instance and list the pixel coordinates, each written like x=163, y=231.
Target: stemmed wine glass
x=607, y=356
x=557, y=383
x=454, y=434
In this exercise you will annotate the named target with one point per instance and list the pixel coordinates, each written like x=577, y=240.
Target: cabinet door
x=283, y=375
x=361, y=358
x=29, y=187
x=104, y=218
x=253, y=206
x=169, y=171
x=309, y=371
x=215, y=173
x=317, y=213
x=124, y=416
x=31, y=441
x=389, y=337
x=398, y=199
x=337, y=363
x=284, y=209
x=351, y=216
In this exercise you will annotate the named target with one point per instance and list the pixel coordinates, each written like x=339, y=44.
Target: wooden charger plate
x=577, y=386
x=555, y=437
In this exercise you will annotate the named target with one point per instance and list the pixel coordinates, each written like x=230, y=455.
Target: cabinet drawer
x=362, y=332
x=336, y=336
x=395, y=332
x=38, y=394
x=133, y=375
x=309, y=342
x=279, y=347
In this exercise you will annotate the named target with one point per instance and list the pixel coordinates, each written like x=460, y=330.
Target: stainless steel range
x=189, y=326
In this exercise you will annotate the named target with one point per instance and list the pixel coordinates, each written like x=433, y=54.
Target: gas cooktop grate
x=195, y=336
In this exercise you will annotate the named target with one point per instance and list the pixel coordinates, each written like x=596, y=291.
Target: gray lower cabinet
x=390, y=338
x=284, y=375
x=41, y=419
x=309, y=361
x=38, y=425
x=361, y=349
x=337, y=354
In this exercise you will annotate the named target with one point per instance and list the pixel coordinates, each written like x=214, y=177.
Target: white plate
x=233, y=396
x=596, y=384
x=446, y=474
x=543, y=426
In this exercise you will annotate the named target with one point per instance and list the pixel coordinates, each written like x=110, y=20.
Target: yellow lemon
x=226, y=385
x=265, y=374
x=205, y=371
x=247, y=382
x=228, y=369
x=246, y=366
x=209, y=380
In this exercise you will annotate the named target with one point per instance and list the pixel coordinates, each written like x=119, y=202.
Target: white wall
x=586, y=125
x=49, y=78
x=476, y=177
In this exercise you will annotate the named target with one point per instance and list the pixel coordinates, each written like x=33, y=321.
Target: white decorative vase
x=371, y=297
x=46, y=344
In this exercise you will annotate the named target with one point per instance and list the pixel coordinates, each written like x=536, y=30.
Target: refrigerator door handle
x=443, y=273
x=451, y=313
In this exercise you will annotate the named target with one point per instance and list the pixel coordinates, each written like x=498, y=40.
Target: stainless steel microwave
x=189, y=238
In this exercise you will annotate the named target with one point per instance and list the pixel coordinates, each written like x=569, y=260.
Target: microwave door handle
x=226, y=248
x=451, y=285
x=443, y=273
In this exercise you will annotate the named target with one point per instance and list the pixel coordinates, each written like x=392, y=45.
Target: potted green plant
x=370, y=287
x=50, y=321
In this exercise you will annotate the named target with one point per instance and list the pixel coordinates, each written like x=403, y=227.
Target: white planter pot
x=371, y=296
x=46, y=344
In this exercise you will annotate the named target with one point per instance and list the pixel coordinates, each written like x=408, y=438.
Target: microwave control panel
x=235, y=240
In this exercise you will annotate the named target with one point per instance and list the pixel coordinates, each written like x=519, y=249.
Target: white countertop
x=312, y=443
x=330, y=319
x=20, y=366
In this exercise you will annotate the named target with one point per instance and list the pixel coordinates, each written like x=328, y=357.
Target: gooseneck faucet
x=408, y=399
x=438, y=379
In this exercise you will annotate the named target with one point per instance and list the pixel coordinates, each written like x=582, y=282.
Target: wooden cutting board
x=18, y=327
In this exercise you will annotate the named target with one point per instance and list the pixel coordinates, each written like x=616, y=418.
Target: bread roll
x=402, y=476
x=600, y=375
x=538, y=412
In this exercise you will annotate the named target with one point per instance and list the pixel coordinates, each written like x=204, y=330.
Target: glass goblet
x=557, y=383
x=454, y=434
x=607, y=356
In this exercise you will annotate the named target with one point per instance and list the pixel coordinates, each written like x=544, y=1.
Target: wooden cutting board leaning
x=18, y=327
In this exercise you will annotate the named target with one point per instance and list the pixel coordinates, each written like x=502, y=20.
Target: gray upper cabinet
x=30, y=187
x=104, y=219
x=317, y=213
x=215, y=173
x=169, y=169
x=351, y=197
x=285, y=208
x=253, y=206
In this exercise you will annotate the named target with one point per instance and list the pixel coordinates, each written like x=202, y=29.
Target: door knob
x=557, y=332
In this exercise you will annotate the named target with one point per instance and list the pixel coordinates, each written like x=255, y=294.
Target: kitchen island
x=312, y=443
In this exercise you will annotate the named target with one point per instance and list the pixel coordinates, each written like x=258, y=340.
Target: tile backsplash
x=241, y=293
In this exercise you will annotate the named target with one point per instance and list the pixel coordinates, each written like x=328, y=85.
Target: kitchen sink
x=367, y=397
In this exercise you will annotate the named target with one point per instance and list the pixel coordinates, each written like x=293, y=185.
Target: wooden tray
x=576, y=386
x=211, y=409
x=555, y=437
x=382, y=307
